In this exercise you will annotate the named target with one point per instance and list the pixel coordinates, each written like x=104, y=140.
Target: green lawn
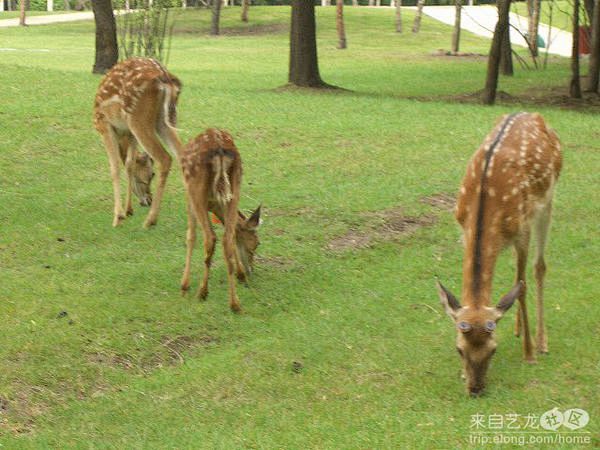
x=558, y=13
x=335, y=349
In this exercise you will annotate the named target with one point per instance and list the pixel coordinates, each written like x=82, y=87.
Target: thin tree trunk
x=107, y=50
x=398, y=16
x=22, y=13
x=533, y=8
x=456, y=32
x=594, y=69
x=575, y=85
x=339, y=22
x=245, y=7
x=304, y=65
x=491, y=82
x=506, y=63
x=216, y=16
x=418, y=15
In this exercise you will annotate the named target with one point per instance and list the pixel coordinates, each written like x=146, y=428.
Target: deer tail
x=221, y=183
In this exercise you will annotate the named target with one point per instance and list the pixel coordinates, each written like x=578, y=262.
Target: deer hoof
x=241, y=276
x=531, y=360
x=202, y=293
x=118, y=219
x=235, y=307
x=129, y=211
x=150, y=221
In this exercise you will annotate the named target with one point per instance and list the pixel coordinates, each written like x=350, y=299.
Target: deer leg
x=190, y=242
x=112, y=149
x=542, y=225
x=210, y=239
x=522, y=248
x=149, y=141
x=230, y=250
x=129, y=162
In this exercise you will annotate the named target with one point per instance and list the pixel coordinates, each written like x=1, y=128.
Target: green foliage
x=334, y=350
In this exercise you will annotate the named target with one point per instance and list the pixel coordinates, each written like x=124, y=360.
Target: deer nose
x=475, y=391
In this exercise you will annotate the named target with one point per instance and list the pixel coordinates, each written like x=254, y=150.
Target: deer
x=212, y=173
x=506, y=194
x=136, y=103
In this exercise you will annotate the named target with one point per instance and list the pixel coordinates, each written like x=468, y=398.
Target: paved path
x=42, y=20
x=481, y=20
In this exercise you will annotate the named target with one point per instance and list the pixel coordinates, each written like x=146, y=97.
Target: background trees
x=107, y=50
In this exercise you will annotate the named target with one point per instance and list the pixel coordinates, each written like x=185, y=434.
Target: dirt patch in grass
x=447, y=54
x=387, y=225
x=169, y=351
x=18, y=414
x=277, y=262
x=554, y=96
x=441, y=201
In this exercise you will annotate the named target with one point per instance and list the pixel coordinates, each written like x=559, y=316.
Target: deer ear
x=448, y=300
x=507, y=301
x=253, y=221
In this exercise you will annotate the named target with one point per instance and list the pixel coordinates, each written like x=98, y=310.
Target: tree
x=506, y=63
x=418, y=15
x=107, y=50
x=398, y=16
x=456, y=32
x=491, y=82
x=340, y=24
x=245, y=6
x=304, y=66
x=22, y=13
x=533, y=8
x=216, y=16
x=575, y=85
x=594, y=69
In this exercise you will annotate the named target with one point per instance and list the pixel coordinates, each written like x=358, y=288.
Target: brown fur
x=499, y=202
x=136, y=100
x=212, y=173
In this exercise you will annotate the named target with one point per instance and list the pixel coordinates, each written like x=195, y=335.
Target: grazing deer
x=212, y=174
x=507, y=191
x=135, y=103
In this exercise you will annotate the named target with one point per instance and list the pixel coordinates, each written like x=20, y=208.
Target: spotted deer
x=212, y=174
x=136, y=103
x=507, y=191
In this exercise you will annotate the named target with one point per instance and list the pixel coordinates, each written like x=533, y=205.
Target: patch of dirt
x=462, y=55
x=170, y=352
x=555, y=96
x=250, y=30
x=387, y=225
x=277, y=262
x=441, y=201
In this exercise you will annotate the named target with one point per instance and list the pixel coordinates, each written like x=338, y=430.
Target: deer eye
x=464, y=326
x=490, y=326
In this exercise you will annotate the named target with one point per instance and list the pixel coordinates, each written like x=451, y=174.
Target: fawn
x=507, y=191
x=136, y=103
x=212, y=174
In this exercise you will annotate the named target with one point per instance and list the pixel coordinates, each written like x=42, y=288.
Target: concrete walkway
x=481, y=20
x=42, y=20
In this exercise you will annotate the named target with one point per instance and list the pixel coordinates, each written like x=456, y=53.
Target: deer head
x=143, y=172
x=247, y=239
x=475, y=340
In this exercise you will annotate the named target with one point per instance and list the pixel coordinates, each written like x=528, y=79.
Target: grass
x=560, y=13
x=342, y=349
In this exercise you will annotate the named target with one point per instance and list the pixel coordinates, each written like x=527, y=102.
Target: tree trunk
x=304, y=66
x=22, y=13
x=418, y=15
x=506, y=63
x=575, y=85
x=354, y=2
x=398, y=16
x=340, y=24
x=533, y=8
x=245, y=7
x=107, y=50
x=216, y=16
x=594, y=70
x=456, y=32
x=491, y=82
